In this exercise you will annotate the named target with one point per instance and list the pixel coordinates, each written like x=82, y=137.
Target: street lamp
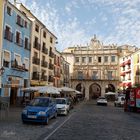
x=2, y=70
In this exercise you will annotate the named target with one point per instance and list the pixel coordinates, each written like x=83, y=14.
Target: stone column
x=87, y=92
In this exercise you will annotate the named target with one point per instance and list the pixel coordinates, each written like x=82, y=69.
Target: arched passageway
x=80, y=87
x=110, y=88
x=94, y=91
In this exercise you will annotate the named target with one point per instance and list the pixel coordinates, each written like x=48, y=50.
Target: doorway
x=13, y=95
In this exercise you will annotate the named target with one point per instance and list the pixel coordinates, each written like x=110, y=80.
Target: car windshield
x=43, y=102
x=60, y=101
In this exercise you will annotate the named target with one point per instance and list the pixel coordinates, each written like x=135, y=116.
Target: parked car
x=63, y=106
x=119, y=101
x=40, y=109
x=102, y=101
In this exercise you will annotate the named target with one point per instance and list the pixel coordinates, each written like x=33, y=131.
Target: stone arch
x=110, y=88
x=80, y=87
x=94, y=91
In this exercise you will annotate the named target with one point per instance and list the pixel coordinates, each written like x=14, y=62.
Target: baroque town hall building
x=94, y=69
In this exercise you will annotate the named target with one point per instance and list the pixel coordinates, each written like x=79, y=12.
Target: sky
x=75, y=22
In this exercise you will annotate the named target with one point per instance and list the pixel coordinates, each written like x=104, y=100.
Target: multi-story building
x=94, y=68
x=15, y=53
x=136, y=68
x=65, y=73
x=126, y=71
x=1, y=35
x=57, y=75
x=42, y=51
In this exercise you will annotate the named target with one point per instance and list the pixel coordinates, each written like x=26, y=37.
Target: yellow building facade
x=136, y=68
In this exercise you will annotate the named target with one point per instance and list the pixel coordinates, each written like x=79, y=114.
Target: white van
x=119, y=101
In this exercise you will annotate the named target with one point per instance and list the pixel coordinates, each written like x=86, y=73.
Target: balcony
x=44, y=77
x=16, y=66
x=8, y=35
x=44, y=64
x=44, y=50
x=51, y=54
x=35, y=76
x=122, y=64
x=90, y=78
x=36, y=61
x=122, y=74
x=50, y=79
x=51, y=66
x=57, y=74
x=128, y=62
x=19, y=42
x=37, y=45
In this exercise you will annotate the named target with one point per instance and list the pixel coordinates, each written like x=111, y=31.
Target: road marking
x=46, y=138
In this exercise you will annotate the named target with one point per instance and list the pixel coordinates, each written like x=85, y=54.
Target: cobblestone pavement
x=86, y=122
x=12, y=128
x=92, y=122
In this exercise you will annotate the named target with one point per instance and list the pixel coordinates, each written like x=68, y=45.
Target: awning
x=110, y=93
x=128, y=62
x=49, y=89
x=128, y=84
x=122, y=64
x=129, y=71
x=43, y=89
x=78, y=92
x=122, y=84
x=122, y=74
x=67, y=89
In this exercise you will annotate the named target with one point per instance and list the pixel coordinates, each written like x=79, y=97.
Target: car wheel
x=23, y=121
x=55, y=115
x=115, y=105
x=66, y=113
x=47, y=121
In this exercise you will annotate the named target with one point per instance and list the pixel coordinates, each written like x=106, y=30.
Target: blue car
x=40, y=109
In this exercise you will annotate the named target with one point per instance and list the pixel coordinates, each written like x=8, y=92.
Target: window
x=44, y=44
x=20, y=21
x=44, y=34
x=83, y=59
x=112, y=58
x=77, y=59
x=51, y=40
x=106, y=59
x=90, y=59
x=35, y=54
x=18, y=59
x=95, y=75
x=25, y=25
x=43, y=58
x=26, y=63
x=36, y=28
x=6, y=59
x=9, y=11
x=8, y=35
x=99, y=59
x=18, y=40
x=109, y=75
x=80, y=75
x=26, y=43
x=137, y=58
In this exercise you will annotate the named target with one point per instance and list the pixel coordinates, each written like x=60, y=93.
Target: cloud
x=120, y=20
